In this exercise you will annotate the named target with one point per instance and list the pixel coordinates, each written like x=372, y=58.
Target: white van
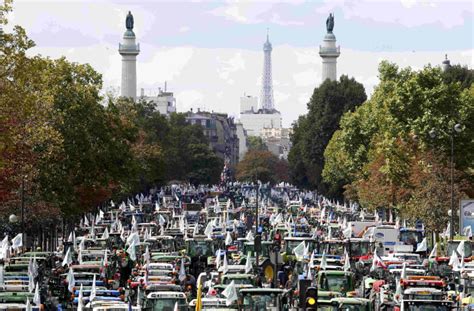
x=358, y=227
x=385, y=234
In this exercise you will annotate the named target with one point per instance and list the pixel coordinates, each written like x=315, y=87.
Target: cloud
x=166, y=64
x=408, y=13
x=248, y=12
x=189, y=99
x=96, y=20
x=228, y=67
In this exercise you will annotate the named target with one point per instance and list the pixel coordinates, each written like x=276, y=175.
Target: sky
x=210, y=52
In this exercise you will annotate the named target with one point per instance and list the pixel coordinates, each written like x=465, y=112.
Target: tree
x=431, y=190
x=312, y=133
x=461, y=74
x=378, y=145
x=256, y=143
x=260, y=165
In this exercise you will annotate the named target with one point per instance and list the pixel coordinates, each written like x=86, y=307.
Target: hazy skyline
x=210, y=53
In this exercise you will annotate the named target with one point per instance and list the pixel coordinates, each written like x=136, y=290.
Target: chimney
x=165, y=85
x=142, y=92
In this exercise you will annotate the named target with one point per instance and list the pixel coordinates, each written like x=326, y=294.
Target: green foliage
x=72, y=149
x=461, y=74
x=256, y=143
x=373, y=152
x=311, y=134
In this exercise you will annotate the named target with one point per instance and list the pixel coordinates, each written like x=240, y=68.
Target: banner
x=466, y=214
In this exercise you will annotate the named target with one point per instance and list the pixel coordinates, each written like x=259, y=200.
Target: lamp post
x=456, y=129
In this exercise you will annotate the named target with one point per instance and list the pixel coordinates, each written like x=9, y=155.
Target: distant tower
x=267, y=84
x=446, y=63
x=329, y=52
x=129, y=51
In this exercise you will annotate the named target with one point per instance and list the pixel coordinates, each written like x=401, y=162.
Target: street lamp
x=13, y=218
x=457, y=128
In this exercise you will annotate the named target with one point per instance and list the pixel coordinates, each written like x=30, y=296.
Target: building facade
x=164, y=102
x=255, y=122
x=221, y=131
x=278, y=141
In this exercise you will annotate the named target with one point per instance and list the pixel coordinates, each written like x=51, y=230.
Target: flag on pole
x=36, y=297
x=225, y=266
x=93, y=290
x=422, y=247
x=28, y=305
x=80, y=302
x=460, y=249
x=433, y=252
x=182, y=271
x=248, y=263
x=218, y=259
x=228, y=239
x=324, y=262
x=71, y=282
x=131, y=251
x=67, y=258
x=230, y=293
x=347, y=262
x=299, y=251
x=17, y=241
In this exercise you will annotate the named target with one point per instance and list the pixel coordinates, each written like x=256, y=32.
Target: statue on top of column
x=330, y=23
x=129, y=21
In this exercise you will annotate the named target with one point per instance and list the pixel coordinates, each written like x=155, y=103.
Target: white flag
x=146, y=256
x=230, y=293
x=36, y=297
x=347, y=262
x=347, y=232
x=182, y=271
x=324, y=262
x=28, y=305
x=105, y=235
x=17, y=241
x=225, y=266
x=131, y=251
x=93, y=290
x=433, y=252
x=299, y=251
x=71, y=281
x=80, y=303
x=422, y=247
x=218, y=259
x=460, y=249
x=31, y=283
x=249, y=236
x=208, y=230
x=67, y=258
x=454, y=261
x=248, y=263
x=176, y=308
x=228, y=239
